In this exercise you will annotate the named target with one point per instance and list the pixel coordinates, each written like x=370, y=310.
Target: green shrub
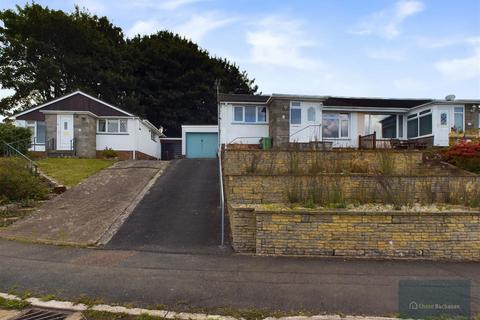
x=109, y=153
x=20, y=138
x=17, y=183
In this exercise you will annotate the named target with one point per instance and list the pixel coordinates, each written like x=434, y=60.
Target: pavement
x=179, y=214
x=189, y=281
x=92, y=210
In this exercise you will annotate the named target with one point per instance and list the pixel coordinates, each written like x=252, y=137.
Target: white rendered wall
x=118, y=141
x=239, y=133
x=145, y=142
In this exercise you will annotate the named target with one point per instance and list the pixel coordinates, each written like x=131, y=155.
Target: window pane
x=311, y=114
x=40, y=132
x=262, y=114
x=344, y=129
x=250, y=114
x=102, y=125
x=112, y=126
x=412, y=116
x=459, y=109
x=295, y=104
x=459, y=121
x=295, y=116
x=426, y=125
x=425, y=111
x=330, y=126
x=123, y=125
x=400, y=126
x=238, y=114
x=444, y=119
x=412, y=128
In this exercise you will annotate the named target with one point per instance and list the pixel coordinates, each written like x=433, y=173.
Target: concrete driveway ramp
x=179, y=214
x=92, y=211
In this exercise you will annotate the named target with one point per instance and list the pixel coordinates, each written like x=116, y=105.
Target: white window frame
x=33, y=124
x=311, y=111
x=257, y=108
x=417, y=117
x=153, y=135
x=463, y=116
x=334, y=116
x=107, y=120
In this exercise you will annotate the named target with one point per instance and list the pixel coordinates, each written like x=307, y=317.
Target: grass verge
x=70, y=171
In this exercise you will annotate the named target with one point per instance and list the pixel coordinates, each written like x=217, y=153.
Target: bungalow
x=342, y=121
x=80, y=125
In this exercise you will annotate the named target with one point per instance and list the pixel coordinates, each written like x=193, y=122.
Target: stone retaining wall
x=337, y=188
x=396, y=234
x=274, y=162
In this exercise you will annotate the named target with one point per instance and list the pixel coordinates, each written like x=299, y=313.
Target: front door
x=305, y=122
x=443, y=126
x=64, y=132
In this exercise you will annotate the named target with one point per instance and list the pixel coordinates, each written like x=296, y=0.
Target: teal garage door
x=202, y=144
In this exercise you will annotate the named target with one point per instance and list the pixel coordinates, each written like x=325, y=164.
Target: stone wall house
x=339, y=121
x=83, y=126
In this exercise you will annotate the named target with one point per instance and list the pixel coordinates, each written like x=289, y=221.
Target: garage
x=199, y=142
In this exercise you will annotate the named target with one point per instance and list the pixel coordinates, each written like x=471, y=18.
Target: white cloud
x=198, y=26
x=195, y=28
x=143, y=27
x=280, y=42
x=462, y=68
x=163, y=4
x=387, y=23
x=386, y=54
x=174, y=4
x=92, y=6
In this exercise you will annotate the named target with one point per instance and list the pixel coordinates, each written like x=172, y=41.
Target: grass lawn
x=70, y=171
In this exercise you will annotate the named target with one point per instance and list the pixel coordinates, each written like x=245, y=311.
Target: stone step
x=60, y=154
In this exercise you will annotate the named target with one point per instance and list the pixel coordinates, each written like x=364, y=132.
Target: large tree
x=47, y=53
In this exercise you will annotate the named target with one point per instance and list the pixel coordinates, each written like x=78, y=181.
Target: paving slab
x=8, y=314
x=88, y=212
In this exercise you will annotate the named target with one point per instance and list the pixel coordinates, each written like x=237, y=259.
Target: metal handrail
x=304, y=128
x=243, y=138
x=32, y=165
x=222, y=197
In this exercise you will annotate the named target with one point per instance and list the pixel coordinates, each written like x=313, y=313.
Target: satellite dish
x=450, y=97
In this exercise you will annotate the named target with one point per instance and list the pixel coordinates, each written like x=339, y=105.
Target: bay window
x=335, y=125
x=249, y=114
x=112, y=126
x=419, y=124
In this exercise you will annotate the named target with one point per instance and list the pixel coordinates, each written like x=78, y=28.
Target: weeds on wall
x=386, y=163
x=252, y=166
x=294, y=167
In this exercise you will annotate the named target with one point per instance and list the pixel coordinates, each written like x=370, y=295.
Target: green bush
x=17, y=183
x=19, y=137
x=109, y=153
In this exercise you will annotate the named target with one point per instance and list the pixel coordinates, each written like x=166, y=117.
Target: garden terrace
x=400, y=182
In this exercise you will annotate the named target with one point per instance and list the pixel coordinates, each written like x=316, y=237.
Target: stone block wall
x=241, y=162
x=85, y=127
x=337, y=188
x=279, y=122
x=436, y=235
x=50, y=129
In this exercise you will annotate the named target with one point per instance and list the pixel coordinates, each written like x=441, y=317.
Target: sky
x=381, y=48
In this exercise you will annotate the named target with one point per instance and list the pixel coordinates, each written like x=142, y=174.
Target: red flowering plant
x=465, y=154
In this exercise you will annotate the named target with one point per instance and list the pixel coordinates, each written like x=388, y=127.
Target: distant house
x=342, y=120
x=80, y=125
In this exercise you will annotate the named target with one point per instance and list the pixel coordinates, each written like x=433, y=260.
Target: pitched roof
x=243, y=98
x=97, y=104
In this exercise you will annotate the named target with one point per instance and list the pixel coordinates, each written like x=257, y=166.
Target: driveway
x=179, y=214
x=90, y=212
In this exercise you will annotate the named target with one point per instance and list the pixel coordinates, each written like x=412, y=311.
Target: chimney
x=450, y=97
